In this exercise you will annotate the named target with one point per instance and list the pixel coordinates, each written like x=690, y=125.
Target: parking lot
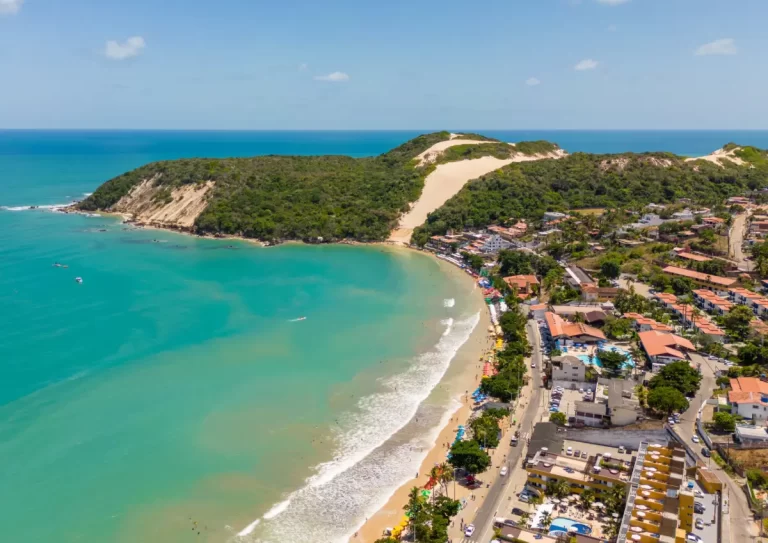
x=708, y=532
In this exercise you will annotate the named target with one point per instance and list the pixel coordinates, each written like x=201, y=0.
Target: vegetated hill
x=527, y=190
x=276, y=197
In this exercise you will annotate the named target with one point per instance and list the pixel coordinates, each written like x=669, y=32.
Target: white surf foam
x=277, y=509
x=52, y=207
x=16, y=208
x=449, y=302
x=361, y=476
x=248, y=529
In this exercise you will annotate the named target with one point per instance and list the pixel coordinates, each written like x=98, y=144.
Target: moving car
x=705, y=452
x=533, y=364
x=696, y=439
x=469, y=530
x=513, y=442
x=503, y=471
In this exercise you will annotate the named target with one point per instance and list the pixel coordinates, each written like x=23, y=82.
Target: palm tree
x=587, y=498
x=443, y=474
x=546, y=521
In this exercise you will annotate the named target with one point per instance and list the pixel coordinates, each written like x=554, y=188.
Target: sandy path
x=718, y=155
x=431, y=154
x=469, y=355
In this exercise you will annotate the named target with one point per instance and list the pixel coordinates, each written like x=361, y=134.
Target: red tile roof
x=694, y=257
x=704, y=277
x=560, y=328
x=660, y=343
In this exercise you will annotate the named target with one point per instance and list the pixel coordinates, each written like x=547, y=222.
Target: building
x=553, y=216
x=592, y=293
x=445, y=244
x=751, y=435
x=756, y=302
x=714, y=222
x=711, y=302
x=691, y=257
x=523, y=285
x=663, y=348
x=576, y=277
x=665, y=299
x=739, y=200
x=659, y=507
x=568, y=368
x=566, y=333
x=493, y=244
x=643, y=324
x=748, y=397
x=712, y=282
x=511, y=233
x=614, y=403
x=684, y=215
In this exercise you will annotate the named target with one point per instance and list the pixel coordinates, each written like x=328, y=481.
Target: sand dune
x=431, y=154
x=186, y=204
x=448, y=179
x=719, y=155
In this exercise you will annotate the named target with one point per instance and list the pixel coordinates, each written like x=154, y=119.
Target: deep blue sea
x=174, y=388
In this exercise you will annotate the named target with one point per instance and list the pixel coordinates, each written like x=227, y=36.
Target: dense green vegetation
x=538, y=147
x=528, y=189
x=470, y=151
x=291, y=197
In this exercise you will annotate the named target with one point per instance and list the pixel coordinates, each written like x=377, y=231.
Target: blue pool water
x=563, y=524
x=630, y=363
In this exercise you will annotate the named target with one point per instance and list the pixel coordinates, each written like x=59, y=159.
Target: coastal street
x=492, y=505
x=742, y=525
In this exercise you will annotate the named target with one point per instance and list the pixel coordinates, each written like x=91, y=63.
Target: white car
x=695, y=439
x=533, y=364
x=694, y=538
x=470, y=529
x=503, y=471
x=698, y=493
x=699, y=524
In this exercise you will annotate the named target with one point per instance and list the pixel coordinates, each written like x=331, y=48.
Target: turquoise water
x=173, y=391
x=562, y=524
x=630, y=362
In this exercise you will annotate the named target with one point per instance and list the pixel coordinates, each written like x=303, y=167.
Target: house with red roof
x=748, y=397
x=663, y=348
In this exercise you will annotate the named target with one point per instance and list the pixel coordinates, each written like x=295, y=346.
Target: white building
x=749, y=398
x=495, y=243
x=568, y=368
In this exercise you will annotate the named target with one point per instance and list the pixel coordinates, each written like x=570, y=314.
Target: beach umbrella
x=636, y=529
x=555, y=500
x=646, y=493
x=652, y=469
x=598, y=505
x=635, y=537
x=641, y=507
x=615, y=515
x=646, y=487
x=640, y=514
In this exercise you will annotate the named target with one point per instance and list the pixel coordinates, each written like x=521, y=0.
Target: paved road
x=736, y=239
x=742, y=525
x=487, y=512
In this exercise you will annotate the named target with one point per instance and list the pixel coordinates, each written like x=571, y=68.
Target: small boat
x=301, y=319
x=79, y=279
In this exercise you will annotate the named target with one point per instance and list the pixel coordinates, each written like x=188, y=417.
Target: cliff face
x=153, y=204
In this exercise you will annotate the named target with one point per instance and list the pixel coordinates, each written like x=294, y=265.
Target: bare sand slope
x=145, y=203
x=448, y=179
x=719, y=155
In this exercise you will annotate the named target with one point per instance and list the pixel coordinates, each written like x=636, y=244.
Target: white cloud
x=612, y=2
x=129, y=48
x=10, y=6
x=532, y=82
x=335, y=77
x=303, y=67
x=586, y=64
x=725, y=46
x=612, y=28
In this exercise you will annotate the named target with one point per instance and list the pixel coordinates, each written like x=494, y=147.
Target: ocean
x=176, y=390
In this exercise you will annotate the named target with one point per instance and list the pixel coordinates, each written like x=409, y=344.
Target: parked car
x=693, y=538
x=705, y=452
x=469, y=530
x=517, y=511
x=696, y=439
x=699, y=524
x=698, y=493
x=622, y=450
x=569, y=451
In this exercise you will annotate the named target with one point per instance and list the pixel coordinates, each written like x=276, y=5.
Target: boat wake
x=298, y=320
x=52, y=207
x=371, y=460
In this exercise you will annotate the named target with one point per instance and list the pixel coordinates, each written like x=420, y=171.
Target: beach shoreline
x=467, y=378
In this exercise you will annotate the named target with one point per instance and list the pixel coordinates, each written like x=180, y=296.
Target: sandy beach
x=467, y=377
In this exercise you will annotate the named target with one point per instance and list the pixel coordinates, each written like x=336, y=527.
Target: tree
x=753, y=353
x=446, y=507
x=558, y=418
x=587, y=498
x=757, y=478
x=443, y=474
x=617, y=328
x=468, y=455
x=546, y=521
x=760, y=256
x=737, y=321
x=610, y=269
x=725, y=422
x=678, y=375
x=612, y=362
x=472, y=260
x=665, y=399
x=558, y=488
x=486, y=431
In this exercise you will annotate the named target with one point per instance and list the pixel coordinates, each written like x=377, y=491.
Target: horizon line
x=425, y=130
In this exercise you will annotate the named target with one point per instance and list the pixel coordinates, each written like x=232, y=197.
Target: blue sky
x=357, y=64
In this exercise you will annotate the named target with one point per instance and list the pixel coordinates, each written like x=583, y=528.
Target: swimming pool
x=630, y=363
x=563, y=524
